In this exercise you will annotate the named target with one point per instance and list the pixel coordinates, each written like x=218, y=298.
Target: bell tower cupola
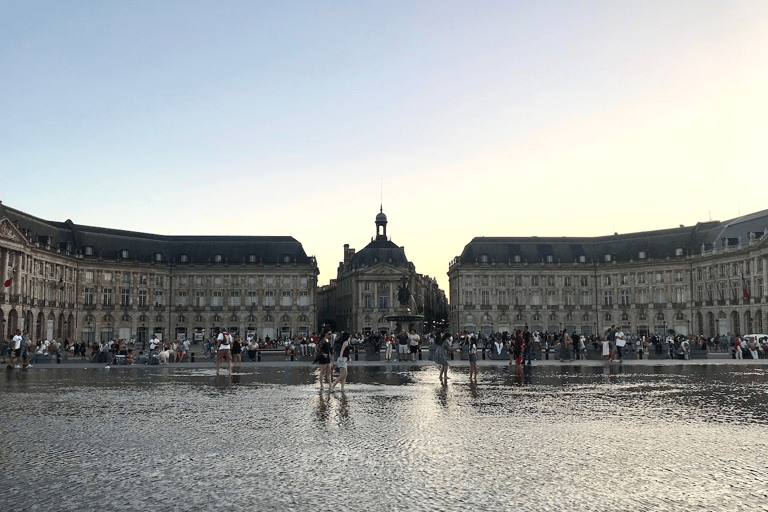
x=381, y=225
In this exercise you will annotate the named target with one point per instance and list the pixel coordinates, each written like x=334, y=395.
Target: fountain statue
x=408, y=314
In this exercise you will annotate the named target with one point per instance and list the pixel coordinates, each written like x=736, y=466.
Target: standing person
x=402, y=346
x=413, y=341
x=153, y=343
x=565, y=346
x=16, y=349
x=224, y=351
x=640, y=345
x=620, y=342
x=518, y=349
x=441, y=356
x=342, y=362
x=237, y=351
x=527, y=345
x=611, y=337
x=324, y=358
x=606, y=349
x=472, y=356
x=388, y=342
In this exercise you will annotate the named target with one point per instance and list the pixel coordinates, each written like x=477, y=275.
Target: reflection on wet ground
x=689, y=437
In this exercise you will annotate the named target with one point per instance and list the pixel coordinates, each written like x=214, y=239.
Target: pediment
x=383, y=269
x=10, y=232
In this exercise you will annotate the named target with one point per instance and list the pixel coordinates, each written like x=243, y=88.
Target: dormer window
x=549, y=258
x=184, y=258
x=679, y=251
x=608, y=258
x=218, y=258
x=158, y=257
x=642, y=255
x=88, y=250
x=516, y=258
x=252, y=258
x=483, y=258
x=582, y=259
x=286, y=258
x=124, y=254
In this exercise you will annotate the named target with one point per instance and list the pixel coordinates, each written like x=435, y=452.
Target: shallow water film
x=688, y=437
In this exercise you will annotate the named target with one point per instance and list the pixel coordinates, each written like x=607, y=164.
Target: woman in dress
x=606, y=348
x=565, y=346
x=342, y=361
x=441, y=356
x=388, y=343
x=324, y=358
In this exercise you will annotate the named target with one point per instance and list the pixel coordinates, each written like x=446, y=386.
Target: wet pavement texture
x=571, y=437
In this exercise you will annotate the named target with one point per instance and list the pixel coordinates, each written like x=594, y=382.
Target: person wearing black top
x=324, y=358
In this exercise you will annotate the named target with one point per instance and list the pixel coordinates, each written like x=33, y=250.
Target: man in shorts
x=402, y=346
x=413, y=342
x=224, y=348
x=16, y=349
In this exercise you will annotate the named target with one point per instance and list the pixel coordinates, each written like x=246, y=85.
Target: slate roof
x=108, y=243
x=380, y=251
x=622, y=247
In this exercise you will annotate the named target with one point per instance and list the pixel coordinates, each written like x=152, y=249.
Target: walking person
x=324, y=358
x=527, y=345
x=620, y=342
x=342, y=362
x=565, y=346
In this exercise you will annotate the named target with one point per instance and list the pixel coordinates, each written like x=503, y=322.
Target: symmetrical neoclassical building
x=707, y=279
x=366, y=287
x=92, y=284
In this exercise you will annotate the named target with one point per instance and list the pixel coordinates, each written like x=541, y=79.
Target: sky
x=460, y=119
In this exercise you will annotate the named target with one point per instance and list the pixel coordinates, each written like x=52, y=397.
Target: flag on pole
x=744, y=290
x=61, y=283
x=8, y=281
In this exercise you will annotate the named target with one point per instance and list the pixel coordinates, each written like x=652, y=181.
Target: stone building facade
x=366, y=286
x=707, y=279
x=92, y=284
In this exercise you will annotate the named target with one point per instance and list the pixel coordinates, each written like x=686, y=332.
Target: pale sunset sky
x=466, y=119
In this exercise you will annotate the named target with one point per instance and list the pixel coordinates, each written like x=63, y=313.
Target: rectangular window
x=534, y=280
x=642, y=296
x=625, y=279
x=251, y=299
x=607, y=281
x=607, y=298
x=679, y=295
x=700, y=293
x=502, y=298
x=181, y=299
x=126, y=278
x=182, y=282
x=367, y=301
x=550, y=281
x=88, y=296
x=269, y=298
x=107, y=297
x=251, y=283
x=107, y=277
x=518, y=281
x=641, y=278
x=158, y=298
x=584, y=299
x=584, y=281
x=200, y=299
x=519, y=298
x=678, y=277
x=143, y=279
x=484, y=281
x=551, y=298
x=660, y=295
x=234, y=299
x=304, y=282
x=536, y=299
x=625, y=297
x=568, y=281
x=569, y=299
x=285, y=300
x=217, y=301
x=469, y=299
x=304, y=299
x=485, y=298
x=89, y=276
x=158, y=280
x=125, y=297
x=142, y=297
x=502, y=281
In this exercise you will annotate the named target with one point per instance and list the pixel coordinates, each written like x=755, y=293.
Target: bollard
x=451, y=355
x=546, y=354
x=258, y=355
x=58, y=358
x=356, y=356
x=191, y=357
x=292, y=359
x=419, y=353
x=483, y=353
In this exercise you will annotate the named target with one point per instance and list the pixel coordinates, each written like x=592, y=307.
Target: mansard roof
x=621, y=247
x=380, y=251
x=109, y=243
